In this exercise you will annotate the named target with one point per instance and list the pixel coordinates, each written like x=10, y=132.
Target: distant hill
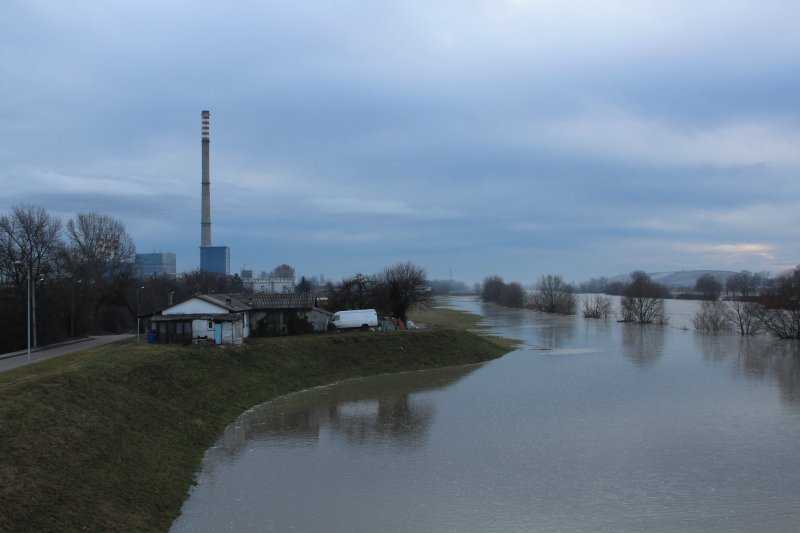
x=680, y=279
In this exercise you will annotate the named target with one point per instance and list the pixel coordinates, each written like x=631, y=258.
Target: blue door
x=218, y=333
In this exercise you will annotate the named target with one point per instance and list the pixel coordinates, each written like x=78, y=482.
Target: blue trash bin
x=151, y=337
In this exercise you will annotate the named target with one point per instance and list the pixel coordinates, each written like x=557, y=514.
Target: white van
x=360, y=318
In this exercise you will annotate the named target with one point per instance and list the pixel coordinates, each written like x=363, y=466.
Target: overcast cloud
x=516, y=138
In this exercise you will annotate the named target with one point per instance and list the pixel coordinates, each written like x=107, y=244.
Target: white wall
x=270, y=285
x=200, y=329
x=194, y=306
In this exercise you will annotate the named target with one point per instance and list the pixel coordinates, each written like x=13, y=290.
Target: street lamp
x=137, y=312
x=29, y=308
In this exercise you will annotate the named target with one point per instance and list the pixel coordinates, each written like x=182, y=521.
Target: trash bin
x=151, y=337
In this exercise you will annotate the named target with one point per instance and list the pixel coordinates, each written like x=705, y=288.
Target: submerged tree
x=553, y=295
x=643, y=300
x=714, y=316
x=780, y=312
x=512, y=295
x=596, y=306
x=492, y=288
x=746, y=317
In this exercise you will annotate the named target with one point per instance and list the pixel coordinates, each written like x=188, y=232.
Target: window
x=210, y=325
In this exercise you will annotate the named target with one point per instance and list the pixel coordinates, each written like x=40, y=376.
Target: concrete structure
x=216, y=259
x=205, y=208
x=156, y=264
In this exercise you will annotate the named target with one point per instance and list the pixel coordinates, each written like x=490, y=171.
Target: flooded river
x=590, y=425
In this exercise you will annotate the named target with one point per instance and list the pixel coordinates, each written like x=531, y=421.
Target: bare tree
x=282, y=271
x=512, y=295
x=405, y=287
x=102, y=254
x=553, y=295
x=643, y=300
x=714, y=316
x=708, y=286
x=596, y=306
x=745, y=317
x=780, y=312
x=745, y=283
x=492, y=288
x=29, y=237
x=360, y=291
x=101, y=245
x=30, y=242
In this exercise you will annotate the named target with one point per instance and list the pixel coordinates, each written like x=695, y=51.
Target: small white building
x=220, y=319
x=230, y=318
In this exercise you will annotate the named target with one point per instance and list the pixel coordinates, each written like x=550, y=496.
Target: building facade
x=155, y=264
x=216, y=259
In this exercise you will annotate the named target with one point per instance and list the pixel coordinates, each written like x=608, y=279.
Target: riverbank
x=110, y=438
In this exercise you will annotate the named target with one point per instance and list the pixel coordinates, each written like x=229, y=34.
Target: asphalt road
x=16, y=359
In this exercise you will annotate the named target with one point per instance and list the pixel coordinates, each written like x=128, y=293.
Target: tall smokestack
x=205, y=215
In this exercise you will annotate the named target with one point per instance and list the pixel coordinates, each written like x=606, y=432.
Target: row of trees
x=775, y=310
x=642, y=299
x=74, y=278
x=759, y=304
x=497, y=291
x=708, y=287
x=394, y=291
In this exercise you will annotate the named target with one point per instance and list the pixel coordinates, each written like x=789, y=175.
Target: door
x=217, y=333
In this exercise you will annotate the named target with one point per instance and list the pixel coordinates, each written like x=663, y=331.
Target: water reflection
x=362, y=412
x=643, y=344
x=774, y=361
x=717, y=347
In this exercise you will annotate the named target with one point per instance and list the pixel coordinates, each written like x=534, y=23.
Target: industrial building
x=155, y=264
x=215, y=259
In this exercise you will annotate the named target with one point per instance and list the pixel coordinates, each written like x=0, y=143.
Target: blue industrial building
x=216, y=259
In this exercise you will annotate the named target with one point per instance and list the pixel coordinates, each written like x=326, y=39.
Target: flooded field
x=590, y=425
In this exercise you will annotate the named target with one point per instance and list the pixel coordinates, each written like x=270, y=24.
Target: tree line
x=770, y=305
x=641, y=302
x=392, y=292
x=74, y=277
x=79, y=278
x=755, y=303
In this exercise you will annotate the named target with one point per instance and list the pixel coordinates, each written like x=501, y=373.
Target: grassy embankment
x=110, y=438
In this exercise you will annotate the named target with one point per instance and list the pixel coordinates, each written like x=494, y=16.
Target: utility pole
x=19, y=263
x=138, y=329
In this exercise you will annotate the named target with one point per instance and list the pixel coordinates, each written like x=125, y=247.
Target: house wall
x=200, y=328
x=232, y=333
x=194, y=306
x=279, y=321
x=319, y=319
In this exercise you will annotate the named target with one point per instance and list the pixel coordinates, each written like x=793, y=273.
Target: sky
x=473, y=138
